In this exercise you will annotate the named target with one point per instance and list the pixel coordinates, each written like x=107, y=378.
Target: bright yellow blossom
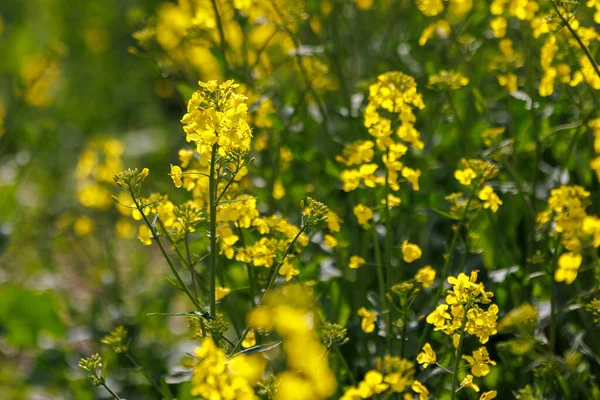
x=489, y=198
x=356, y=262
x=427, y=357
x=363, y=213
x=465, y=176
x=410, y=252
x=367, y=323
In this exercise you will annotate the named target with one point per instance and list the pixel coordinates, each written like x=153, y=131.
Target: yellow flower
x=442, y=28
x=249, y=340
x=393, y=201
x=465, y=176
x=372, y=384
x=330, y=241
x=430, y=8
x=479, y=362
x=427, y=357
x=221, y=292
x=412, y=175
x=364, y=4
x=176, y=175
x=568, y=264
x=439, y=316
x=410, y=252
x=490, y=198
x=356, y=262
x=287, y=269
x=278, y=190
x=425, y=276
x=488, y=395
x=468, y=382
x=419, y=388
x=447, y=80
x=367, y=323
x=333, y=222
x=498, y=26
x=510, y=81
x=145, y=235
x=363, y=214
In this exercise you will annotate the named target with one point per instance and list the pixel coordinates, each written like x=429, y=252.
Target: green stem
x=382, y=300
x=167, y=258
x=222, y=42
x=113, y=394
x=553, y=314
x=530, y=68
x=577, y=38
x=251, y=282
x=212, y=187
x=458, y=354
x=148, y=377
x=339, y=354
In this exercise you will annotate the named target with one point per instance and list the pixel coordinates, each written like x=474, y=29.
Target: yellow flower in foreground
x=410, y=252
x=568, y=264
x=221, y=292
x=372, y=384
x=145, y=235
x=465, y=176
x=488, y=395
x=418, y=387
x=479, y=362
x=287, y=269
x=468, y=382
x=356, y=262
x=425, y=276
x=363, y=214
x=249, y=340
x=368, y=319
x=176, y=175
x=330, y=241
x=490, y=198
x=427, y=357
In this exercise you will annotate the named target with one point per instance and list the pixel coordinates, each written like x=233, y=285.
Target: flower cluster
x=217, y=115
x=216, y=376
x=398, y=377
x=567, y=210
x=288, y=312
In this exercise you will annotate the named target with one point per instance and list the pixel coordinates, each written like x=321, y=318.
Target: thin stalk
x=461, y=125
x=148, y=377
x=212, y=187
x=577, y=38
x=530, y=68
x=447, y=265
x=553, y=313
x=338, y=352
x=167, y=258
x=222, y=42
x=458, y=354
x=388, y=250
x=382, y=300
x=113, y=394
x=189, y=263
x=307, y=81
x=404, y=323
x=251, y=282
x=269, y=284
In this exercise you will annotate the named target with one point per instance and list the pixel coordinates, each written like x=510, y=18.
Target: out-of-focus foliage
x=438, y=138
